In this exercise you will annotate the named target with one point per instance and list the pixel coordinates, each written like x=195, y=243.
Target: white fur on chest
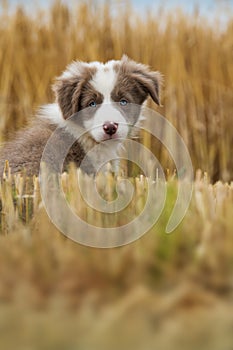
x=104, y=153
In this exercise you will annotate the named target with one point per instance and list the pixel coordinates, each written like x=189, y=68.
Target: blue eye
x=92, y=104
x=123, y=102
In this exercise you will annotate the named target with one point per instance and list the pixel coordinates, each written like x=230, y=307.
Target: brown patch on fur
x=135, y=82
x=25, y=151
x=89, y=94
x=69, y=90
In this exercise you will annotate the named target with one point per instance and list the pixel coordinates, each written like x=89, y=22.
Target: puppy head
x=109, y=95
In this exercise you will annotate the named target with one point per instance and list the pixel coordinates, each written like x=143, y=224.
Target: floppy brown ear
x=68, y=91
x=68, y=87
x=149, y=81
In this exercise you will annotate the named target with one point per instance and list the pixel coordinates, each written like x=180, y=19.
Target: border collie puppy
x=103, y=99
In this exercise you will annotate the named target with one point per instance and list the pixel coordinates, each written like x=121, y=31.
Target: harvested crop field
x=165, y=291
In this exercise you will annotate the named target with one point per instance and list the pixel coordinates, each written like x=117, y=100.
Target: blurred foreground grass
x=162, y=290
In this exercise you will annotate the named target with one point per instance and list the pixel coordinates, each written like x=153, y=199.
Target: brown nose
x=110, y=128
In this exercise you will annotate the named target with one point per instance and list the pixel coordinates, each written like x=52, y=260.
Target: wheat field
x=163, y=290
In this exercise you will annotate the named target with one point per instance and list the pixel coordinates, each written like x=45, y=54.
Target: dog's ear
x=149, y=81
x=68, y=87
x=67, y=91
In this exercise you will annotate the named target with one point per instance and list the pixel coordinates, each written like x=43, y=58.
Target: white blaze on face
x=104, y=81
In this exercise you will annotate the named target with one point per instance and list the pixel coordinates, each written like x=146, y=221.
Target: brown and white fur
x=86, y=87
